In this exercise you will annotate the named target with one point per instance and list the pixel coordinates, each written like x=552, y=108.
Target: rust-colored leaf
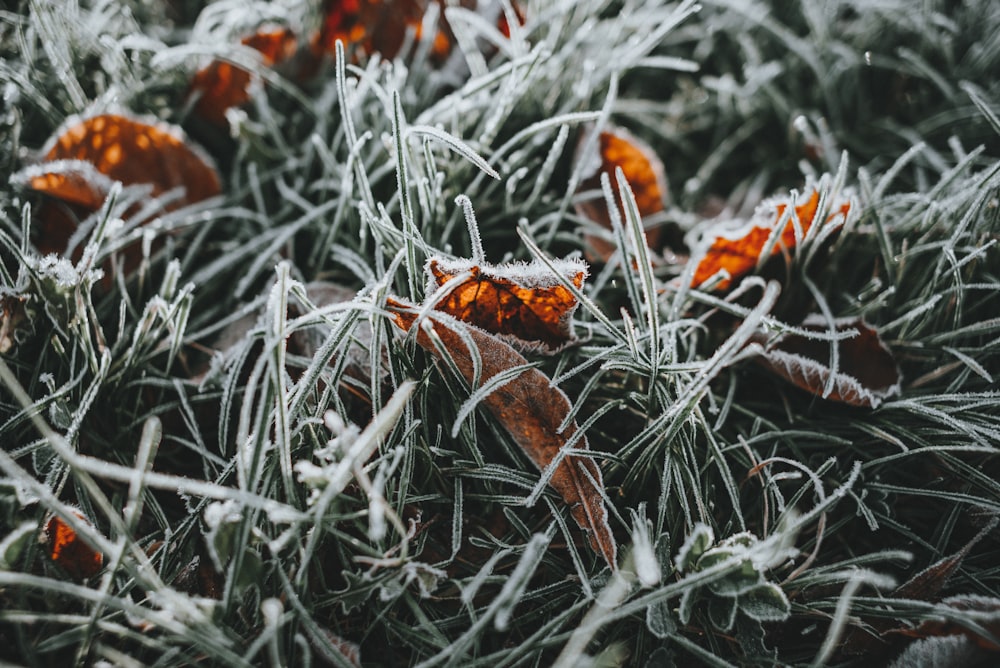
x=866, y=371
x=82, y=160
x=74, y=556
x=531, y=411
x=378, y=26
x=221, y=85
x=928, y=583
x=503, y=25
x=524, y=303
x=644, y=172
x=739, y=251
x=368, y=27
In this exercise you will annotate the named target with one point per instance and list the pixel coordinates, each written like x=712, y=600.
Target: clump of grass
x=272, y=475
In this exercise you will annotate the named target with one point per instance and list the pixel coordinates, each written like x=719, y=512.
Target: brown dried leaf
x=531, y=411
x=928, y=583
x=865, y=374
x=985, y=610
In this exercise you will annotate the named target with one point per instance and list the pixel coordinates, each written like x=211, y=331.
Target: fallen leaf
x=523, y=303
x=128, y=150
x=222, y=85
x=927, y=585
x=531, y=411
x=738, y=251
x=865, y=374
x=67, y=550
x=642, y=169
x=985, y=610
x=381, y=26
x=83, y=159
x=377, y=26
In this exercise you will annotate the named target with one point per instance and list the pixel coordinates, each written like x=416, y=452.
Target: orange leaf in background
x=503, y=25
x=66, y=549
x=81, y=161
x=375, y=26
x=866, y=371
x=380, y=26
x=644, y=172
x=531, y=411
x=739, y=251
x=222, y=85
x=127, y=150
x=524, y=303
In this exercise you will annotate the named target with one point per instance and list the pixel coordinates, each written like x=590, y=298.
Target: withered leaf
x=82, y=160
x=866, y=371
x=64, y=547
x=523, y=303
x=531, y=411
x=221, y=84
x=617, y=148
x=738, y=251
x=985, y=610
x=927, y=585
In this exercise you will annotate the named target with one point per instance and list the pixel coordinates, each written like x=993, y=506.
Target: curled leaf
x=738, y=251
x=531, y=411
x=125, y=149
x=865, y=372
x=82, y=160
x=523, y=303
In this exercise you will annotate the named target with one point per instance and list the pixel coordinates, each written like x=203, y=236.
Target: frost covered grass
x=216, y=400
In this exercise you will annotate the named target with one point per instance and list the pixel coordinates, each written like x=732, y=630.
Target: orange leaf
x=738, y=252
x=222, y=85
x=503, y=25
x=377, y=26
x=524, y=303
x=122, y=149
x=81, y=161
x=866, y=371
x=78, y=559
x=643, y=170
x=531, y=411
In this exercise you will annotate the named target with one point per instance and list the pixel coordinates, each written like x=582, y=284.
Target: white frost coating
x=270, y=610
x=532, y=274
x=353, y=448
x=766, y=215
x=219, y=513
x=647, y=568
x=61, y=271
x=182, y=608
x=333, y=422
x=85, y=171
